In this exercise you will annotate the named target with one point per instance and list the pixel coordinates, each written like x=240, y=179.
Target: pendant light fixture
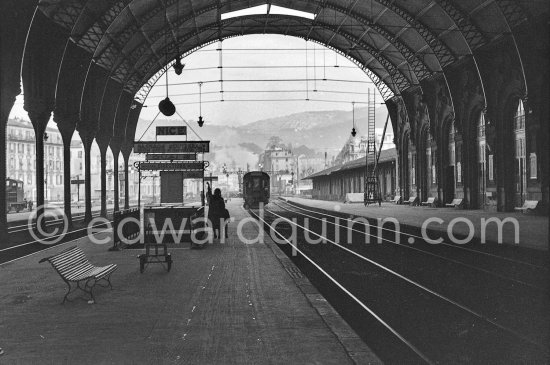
x=353, y=132
x=200, y=122
x=178, y=66
x=166, y=106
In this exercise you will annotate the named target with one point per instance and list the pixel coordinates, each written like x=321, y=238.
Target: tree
x=274, y=141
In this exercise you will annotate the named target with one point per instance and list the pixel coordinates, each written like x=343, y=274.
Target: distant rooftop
x=385, y=155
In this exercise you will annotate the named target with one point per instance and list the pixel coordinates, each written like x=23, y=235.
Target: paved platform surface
x=230, y=303
x=533, y=229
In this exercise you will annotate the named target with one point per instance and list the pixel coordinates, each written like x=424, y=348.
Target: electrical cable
x=265, y=91
x=273, y=100
x=149, y=126
x=272, y=80
x=199, y=137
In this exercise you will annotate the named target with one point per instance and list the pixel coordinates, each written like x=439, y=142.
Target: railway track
x=416, y=302
x=526, y=257
x=16, y=226
x=30, y=246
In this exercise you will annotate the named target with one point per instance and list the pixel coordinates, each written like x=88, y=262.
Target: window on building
x=533, y=166
x=451, y=146
x=519, y=118
x=490, y=168
x=520, y=152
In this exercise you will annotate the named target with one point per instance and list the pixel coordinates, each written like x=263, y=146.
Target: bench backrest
x=431, y=200
x=530, y=204
x=457, y=201
x=65, y=261
x=412, y=199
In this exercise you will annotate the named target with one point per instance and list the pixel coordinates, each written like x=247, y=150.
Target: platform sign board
x=172, y=131
x=196, y=174
x=173, y=166
x=171, y=157
x=172, y=147
x=77, y=181
x=171, y=187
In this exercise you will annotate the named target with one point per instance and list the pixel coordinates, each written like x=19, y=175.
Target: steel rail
x=422, y=287
x=364, y=306
x=417, y=249
x=442, y=243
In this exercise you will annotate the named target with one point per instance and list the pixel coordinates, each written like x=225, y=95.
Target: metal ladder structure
x=371, y=194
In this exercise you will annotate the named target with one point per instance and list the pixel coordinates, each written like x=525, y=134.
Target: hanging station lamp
x=178, y=66
x=200, y=122
x=166, y=106
x=353, y=131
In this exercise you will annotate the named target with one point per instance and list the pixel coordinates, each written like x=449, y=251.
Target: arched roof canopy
x=398, y=43
x=402, y=42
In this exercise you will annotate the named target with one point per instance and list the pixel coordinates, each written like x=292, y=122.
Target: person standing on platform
x=217, y=213
x=202, y=198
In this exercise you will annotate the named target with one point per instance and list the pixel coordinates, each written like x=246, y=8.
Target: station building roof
x=385, y=156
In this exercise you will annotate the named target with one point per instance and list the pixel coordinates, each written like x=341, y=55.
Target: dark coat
x=216, y=211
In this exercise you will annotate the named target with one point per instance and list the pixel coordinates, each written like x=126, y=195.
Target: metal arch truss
x=413, y=59
x=384, y=90
x=143, y=92
x=513, y=12
x=401, y=80
x=440, y=50
x=471, y=33
x=399, y=84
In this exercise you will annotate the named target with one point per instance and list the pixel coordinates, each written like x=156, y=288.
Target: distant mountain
x=310, y=132
x=313, y=120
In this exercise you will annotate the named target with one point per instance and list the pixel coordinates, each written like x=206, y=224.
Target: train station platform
x=229, y=303
x=533, y=229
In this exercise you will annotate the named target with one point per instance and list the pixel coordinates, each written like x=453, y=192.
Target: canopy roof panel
x=399, y=42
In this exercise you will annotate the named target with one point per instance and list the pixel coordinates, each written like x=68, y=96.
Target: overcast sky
x=250, y=64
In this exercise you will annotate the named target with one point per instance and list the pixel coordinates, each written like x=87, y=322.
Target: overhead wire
x=265, y=91
x=271, y=100
x=272, y=80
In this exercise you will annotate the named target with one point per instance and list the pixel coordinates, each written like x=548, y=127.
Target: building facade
x=21, y=159
x=356, y=147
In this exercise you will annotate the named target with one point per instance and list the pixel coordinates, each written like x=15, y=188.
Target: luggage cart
x=155, y=253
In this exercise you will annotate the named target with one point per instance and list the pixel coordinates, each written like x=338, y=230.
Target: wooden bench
x=528, y=206
x=397, y=199
x=430, y=201
x=456, y=203
x=73, y=267
x=412, y=201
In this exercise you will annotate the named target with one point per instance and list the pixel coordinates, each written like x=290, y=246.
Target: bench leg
x=72, y=289
x=91, y=287
x=108, y=280
x=69, y=291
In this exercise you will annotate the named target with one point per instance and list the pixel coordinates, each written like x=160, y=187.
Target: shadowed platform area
x=229, y=303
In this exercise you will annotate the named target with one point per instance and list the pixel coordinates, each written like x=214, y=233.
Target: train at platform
x=255, y=189
x=15, y=195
